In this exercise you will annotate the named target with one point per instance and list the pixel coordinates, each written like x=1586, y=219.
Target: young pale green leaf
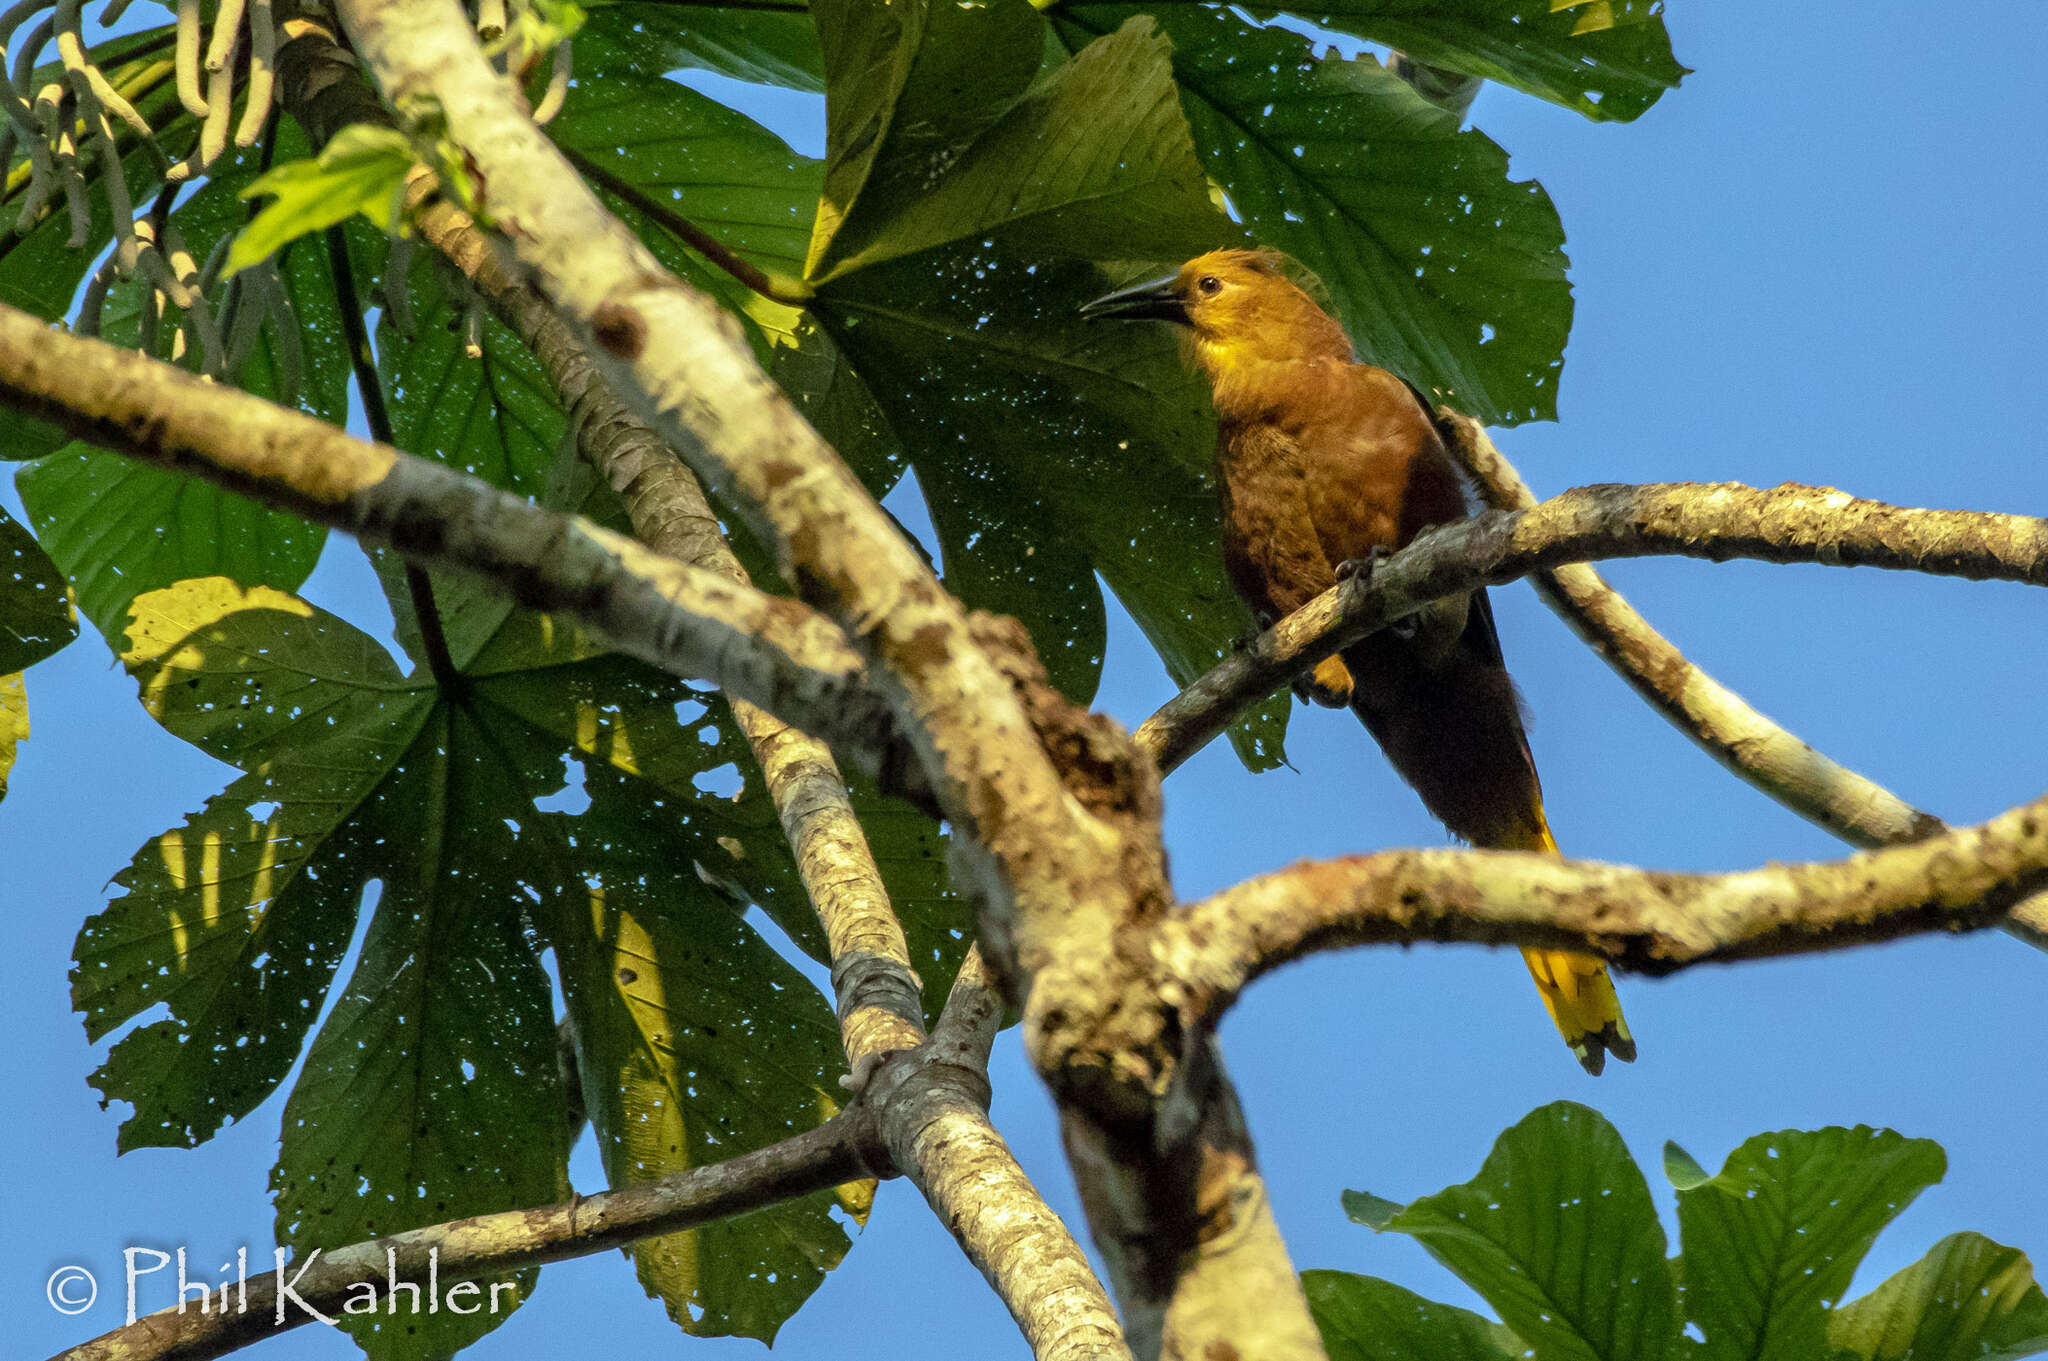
x=977, y=357
x=1363, y=1318
x=1441, y=267
x=1558, y=1234
x=1771, y=1242
x=36, y=618
x=1681, y=1169
x=1608, y=59
x=1968, y=1299
x=760, y=46
x=362, y=169
x=1095, y=161
x=1375, y=1212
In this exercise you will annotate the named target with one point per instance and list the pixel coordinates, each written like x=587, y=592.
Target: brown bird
x=1324, y=464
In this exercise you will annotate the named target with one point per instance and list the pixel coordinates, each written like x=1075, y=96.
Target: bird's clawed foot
x=1362, y=568
x=1328, y=685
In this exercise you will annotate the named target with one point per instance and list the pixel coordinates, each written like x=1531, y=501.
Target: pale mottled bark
x=1751, y=746
x=684, y=619
x=841, y=1150
x=1648, y=921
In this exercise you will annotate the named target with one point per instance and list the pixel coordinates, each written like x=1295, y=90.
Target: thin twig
x=768, y=286
x=377, y=416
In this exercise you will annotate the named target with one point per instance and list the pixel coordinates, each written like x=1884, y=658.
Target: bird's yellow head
x=1239, y=309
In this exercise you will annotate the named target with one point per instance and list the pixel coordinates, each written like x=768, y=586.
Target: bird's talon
x=1362, y=567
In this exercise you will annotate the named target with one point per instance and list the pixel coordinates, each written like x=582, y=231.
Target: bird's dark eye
x=1209, y=285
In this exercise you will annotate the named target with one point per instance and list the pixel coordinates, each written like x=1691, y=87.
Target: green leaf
x=1094, y=161
x=1772, y=1241
x=13, y=723
x=1608, y=59
x=1682, y=1170
x=1363, y=1318
x=1442, y=268
x=766, y=47
x=119, y=528
x=907, y=88
x=976, y=358
x=710, y=164
x=1558, y=1234
x=1363, y=1207
x=236, y=920
x=695, y=1042
x=362, y=169
x=1968, y=1299
x=35, y=612
x=431, y=1092
x=490, y=412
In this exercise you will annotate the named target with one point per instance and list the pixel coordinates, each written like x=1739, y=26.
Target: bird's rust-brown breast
x=1318, y=464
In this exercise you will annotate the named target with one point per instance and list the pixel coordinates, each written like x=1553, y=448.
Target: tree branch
x=1719, y=721
x=686, y=620
x=842, y=1149
x=1647, y=921
x=1717, y=521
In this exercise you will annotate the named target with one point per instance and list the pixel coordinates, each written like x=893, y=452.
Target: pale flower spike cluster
x=69, y=124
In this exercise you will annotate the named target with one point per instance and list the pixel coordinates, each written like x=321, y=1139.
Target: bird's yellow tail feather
x=1578, y=993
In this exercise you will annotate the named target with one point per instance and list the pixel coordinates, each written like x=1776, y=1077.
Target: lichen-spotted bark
x=1650, y=921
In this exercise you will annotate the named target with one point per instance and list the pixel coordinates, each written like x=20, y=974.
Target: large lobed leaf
x=432, y=1091
x=1557, y=1233
x=1771, y=1242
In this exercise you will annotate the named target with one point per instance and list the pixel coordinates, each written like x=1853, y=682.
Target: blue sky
x=1819, y=261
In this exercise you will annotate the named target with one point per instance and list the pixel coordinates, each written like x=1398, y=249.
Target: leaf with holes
x=745, y=42
x=1362, y=1318
x=35, y=612
x=1771, y=1242
x=1441, y=267
x=977, y=358
x=488, y=816
x=1968, y=1299
x=1608, y=59
x=1557, y=1233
